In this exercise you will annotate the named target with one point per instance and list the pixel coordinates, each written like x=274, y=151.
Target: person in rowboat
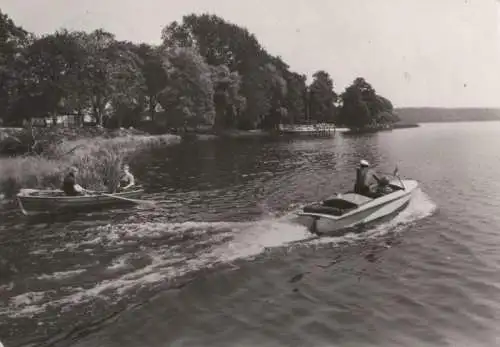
x=69, y=186
x=367, y=181
x=127, y=180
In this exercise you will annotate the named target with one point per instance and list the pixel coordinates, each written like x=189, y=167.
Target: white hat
x=364, y=163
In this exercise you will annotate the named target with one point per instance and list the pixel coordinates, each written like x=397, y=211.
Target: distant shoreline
x=405, y=125
x=446, y=115
x=454, y=121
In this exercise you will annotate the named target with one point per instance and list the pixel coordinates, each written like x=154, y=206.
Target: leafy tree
x=295, y=98
x=154, y=74
x=189, y=93
x=228, y=102
x=126, y=82
x=98, y=46
x=218, y=41
x=322, y=98
x=223, y=43
x=112, y=78
x=362, y=107
x=13, y=39
x=368, y=95
x=354, y=112
x=53, y=63
x=277, y=88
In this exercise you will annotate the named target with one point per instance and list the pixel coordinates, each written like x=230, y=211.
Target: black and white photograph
x=280, y=173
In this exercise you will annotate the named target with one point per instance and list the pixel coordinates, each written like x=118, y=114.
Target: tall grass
x=99, y=161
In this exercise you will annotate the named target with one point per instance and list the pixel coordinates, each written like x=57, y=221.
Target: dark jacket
x=68, y=185
x=366, y=179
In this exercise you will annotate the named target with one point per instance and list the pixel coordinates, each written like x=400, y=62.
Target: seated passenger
x=69, y=186
x=384, y=187
x=127, y=180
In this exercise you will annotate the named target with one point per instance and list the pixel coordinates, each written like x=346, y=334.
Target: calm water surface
x=220, y=263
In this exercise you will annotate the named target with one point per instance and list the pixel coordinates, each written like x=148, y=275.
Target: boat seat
x=348, y=200
x=319, y=208
x=356, y=198
x=338, y=205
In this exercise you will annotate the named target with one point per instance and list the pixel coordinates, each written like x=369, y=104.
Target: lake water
x=221, y=264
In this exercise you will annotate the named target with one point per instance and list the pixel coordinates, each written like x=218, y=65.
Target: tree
x=13, y=39
x=368, y=95
x=76, y=72
x=154, y=74
x=189, y=93
x=98, y=46
x=295, y=98
x=218, y=41
x=223, y=43
x=228, y=102
x=354, y=112
x=277, y=87
x=126, y=83
x=362, y=107
x=322, y=98
x=54, y=63
x=112, y=79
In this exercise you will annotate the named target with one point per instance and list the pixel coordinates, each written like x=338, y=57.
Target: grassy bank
x=98, y=159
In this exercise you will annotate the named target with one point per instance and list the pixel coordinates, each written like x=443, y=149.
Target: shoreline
x=405, y=125
x=95, y=150
x=99, y=160
x=237, y=134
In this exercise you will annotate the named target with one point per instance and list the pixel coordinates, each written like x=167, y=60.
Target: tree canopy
x=362, y=106
x=206, y=71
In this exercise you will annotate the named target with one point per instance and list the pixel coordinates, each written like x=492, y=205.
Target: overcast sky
x=415, y=52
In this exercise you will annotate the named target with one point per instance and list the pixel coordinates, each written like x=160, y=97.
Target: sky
x=443, y=53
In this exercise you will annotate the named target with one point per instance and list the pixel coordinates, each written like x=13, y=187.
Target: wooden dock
x=320, y=129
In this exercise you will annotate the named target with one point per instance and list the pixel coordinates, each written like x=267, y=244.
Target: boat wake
x=123, y=258
x=113, y=263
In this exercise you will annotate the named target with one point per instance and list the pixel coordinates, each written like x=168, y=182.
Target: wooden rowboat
x=34, y=201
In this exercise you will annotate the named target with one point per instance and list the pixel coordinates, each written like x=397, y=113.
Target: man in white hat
x=366, y=180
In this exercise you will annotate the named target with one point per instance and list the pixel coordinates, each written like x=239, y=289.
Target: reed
x=98, y=160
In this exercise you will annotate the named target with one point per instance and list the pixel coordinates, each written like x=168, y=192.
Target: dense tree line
x=362, y=107
x=205, y=71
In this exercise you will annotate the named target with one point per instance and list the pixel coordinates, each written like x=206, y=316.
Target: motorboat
x=342, y=212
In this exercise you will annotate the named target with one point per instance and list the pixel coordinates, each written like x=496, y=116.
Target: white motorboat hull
x=374, y=210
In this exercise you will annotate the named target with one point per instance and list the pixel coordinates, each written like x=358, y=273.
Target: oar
x=136, y=201
x=68, y=152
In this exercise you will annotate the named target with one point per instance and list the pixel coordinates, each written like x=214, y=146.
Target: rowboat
x=35, y=201
x=344, y=212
